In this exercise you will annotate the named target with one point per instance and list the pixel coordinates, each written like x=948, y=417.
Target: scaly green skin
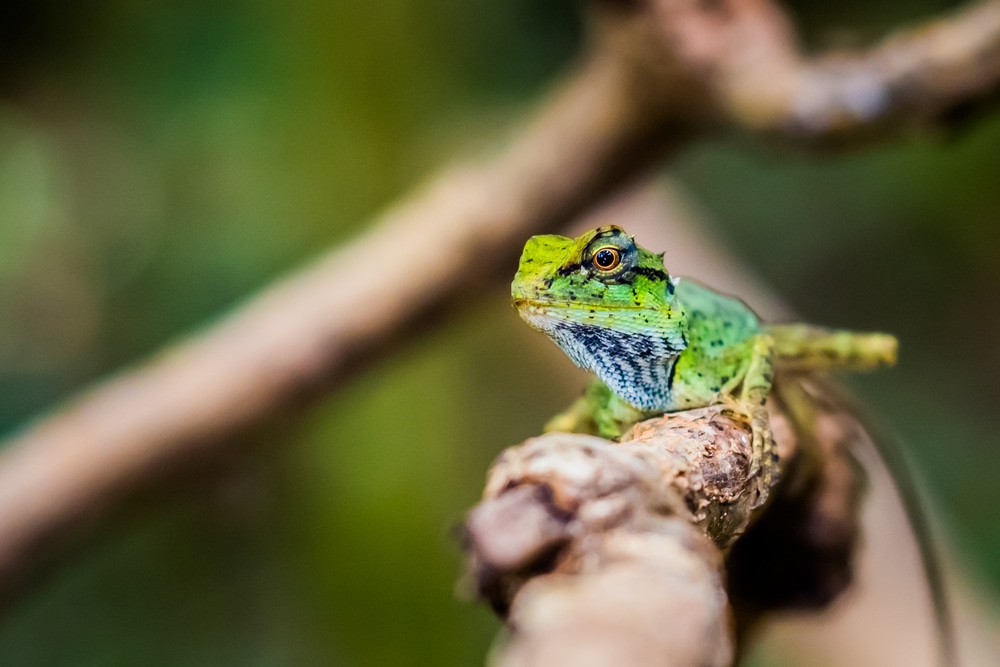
x=659, y=344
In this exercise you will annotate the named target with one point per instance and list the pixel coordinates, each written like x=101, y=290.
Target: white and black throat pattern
x=638, y=367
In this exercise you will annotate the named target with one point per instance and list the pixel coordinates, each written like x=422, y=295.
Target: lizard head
x=609, y=304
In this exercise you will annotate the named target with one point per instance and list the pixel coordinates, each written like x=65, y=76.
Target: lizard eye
x=607, y=258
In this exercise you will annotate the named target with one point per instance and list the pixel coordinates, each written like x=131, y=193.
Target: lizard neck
x=636, y=365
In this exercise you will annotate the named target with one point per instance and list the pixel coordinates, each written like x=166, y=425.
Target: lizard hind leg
x=752, y=404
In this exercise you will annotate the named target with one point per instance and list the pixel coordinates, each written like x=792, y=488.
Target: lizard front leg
x=752, y=405
x=598, y=412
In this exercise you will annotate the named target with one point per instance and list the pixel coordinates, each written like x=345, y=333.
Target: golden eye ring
x=607, y=258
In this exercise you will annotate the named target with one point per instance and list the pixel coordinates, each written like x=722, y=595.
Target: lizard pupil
x=607, y=258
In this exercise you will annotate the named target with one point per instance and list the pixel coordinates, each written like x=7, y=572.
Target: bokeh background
x=159, y=161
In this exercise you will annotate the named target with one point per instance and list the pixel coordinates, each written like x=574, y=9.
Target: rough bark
x=602, y=553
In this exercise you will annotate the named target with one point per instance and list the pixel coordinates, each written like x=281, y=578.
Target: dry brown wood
x=913, y=79
x=936, y=72
x=612, y=553
x=598, y=548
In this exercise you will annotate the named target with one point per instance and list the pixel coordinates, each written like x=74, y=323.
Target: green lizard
x=658, y=343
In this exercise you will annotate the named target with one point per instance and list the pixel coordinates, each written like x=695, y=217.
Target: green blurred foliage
x=159, y=161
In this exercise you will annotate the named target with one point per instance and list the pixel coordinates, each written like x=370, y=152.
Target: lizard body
x=658, y=343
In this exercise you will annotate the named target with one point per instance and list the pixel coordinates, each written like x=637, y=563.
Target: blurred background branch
x=932, y=74
x=656, y=75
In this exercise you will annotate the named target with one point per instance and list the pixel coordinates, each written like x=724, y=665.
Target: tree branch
x=616, y=550
x=931, y=73
x=597, y=552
